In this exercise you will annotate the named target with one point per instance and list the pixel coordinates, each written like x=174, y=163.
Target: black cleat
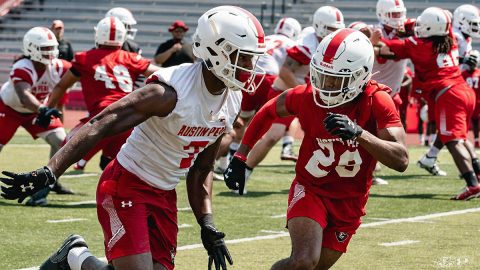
x=60, y=189
x=58, y=260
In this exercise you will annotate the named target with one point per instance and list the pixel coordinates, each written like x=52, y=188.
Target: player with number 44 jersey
x=350, y=123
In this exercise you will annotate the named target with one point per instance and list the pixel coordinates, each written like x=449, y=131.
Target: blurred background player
x=126, y=17
x=107, y=74
x=23, y=96
x=471, y=74
x=433, y=52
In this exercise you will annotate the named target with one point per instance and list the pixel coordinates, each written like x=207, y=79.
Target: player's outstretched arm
x=67, y=81
x=199, y=189
x=133, y=109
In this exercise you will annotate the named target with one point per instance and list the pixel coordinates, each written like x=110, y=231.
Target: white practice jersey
x=464, y=45
x=276, y=53
x=41, y=86
x=302, y=52
x=162, y=149
x=389, y=72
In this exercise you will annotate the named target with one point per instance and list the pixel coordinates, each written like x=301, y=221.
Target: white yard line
x=184, y=226
x=279, y=216
x=82, y=202
x=66, y=220
x=399, y=243
x=79, y=175
x=184, y=209
x=373, y=224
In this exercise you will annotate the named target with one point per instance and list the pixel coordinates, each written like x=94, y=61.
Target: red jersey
x=107, y=75
x=472, y=79
x=332, y=167
x=433, y=71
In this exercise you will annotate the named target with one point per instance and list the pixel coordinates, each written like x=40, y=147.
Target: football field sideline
x=366, y=225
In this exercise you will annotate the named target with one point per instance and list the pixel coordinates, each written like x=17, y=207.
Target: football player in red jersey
x=471, y=74
x=107, y=73
x=180, y=117
x=434, y=54
x=350, y=123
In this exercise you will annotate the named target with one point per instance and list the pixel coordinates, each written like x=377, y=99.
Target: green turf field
x=400, y=231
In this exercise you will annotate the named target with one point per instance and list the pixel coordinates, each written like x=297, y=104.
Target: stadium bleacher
x=154, y=17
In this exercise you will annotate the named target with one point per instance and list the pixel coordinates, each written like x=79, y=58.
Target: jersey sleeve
x=294, y=99
x=79, y=63
x=139, y=63
x=299, y=53
x=399, y=47
x=21, y=75
x=63, y=67
x=384, y=111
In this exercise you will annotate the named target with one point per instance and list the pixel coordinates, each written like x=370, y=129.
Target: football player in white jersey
x=286, y=33
x=179, y=117
x=23, y=96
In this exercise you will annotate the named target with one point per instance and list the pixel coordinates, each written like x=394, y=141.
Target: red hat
x=178, y=24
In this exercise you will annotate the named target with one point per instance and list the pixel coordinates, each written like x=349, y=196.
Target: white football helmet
x=391, y=13
x=110, y=31
x=467, y=19
x=326, y=20
x=432, y=22
x=41, y=45
x=126, y=18
x=341, y=67
x=288, y=27
x=224, y=34
x=357, y=25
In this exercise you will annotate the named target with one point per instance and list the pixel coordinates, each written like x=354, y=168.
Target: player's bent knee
x=304, y=261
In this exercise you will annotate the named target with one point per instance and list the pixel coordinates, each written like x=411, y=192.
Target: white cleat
x=430, y=165
x=379, y=181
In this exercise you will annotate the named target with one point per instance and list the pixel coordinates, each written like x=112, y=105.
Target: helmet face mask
x=467, y=19
x=341, y=67
x=230, y=40
x=392, y=13
x=40, y=44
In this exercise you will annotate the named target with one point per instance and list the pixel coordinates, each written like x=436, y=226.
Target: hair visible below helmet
x=391, y=13
x=222, y=35
x=110, y=31
x=432, y=22
x=467, y=19
x=326, y=20
x=41, y=45
x=341, y=67
x=288, y=27
x=126, y=17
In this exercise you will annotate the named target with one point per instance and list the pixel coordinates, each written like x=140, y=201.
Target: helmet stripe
x=397, y=3
x=338, y=14
x=112, y=29
x=334, y=44
x=258, y=27
x=282, y=21
x=448, y=20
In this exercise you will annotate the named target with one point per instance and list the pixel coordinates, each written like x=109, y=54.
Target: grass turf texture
x=450, y=242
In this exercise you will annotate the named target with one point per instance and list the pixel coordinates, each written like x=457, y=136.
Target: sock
x=470, y=178
x=222, y=163
x=82, y=162
x=476, y=166
x=233, y=148
x=76, y=256
x=433, y=152
x=433, y=137
x=248, y=172
x=287, y=140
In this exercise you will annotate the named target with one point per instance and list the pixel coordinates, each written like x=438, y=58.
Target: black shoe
x=60, y=189
x=58, y=260
x=39, y=198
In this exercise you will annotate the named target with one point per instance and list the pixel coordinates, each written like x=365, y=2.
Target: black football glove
x=213, y=242
x=340, y=125
x=471, y=59
x=45, y=116
x=21, y=185
x=235, y=174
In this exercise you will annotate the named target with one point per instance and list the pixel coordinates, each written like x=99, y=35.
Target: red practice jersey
x=107, y=75
x=332, y=167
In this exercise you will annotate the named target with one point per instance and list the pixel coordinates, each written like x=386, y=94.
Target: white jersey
x=389, y=72
x=464, y=45
x=162, y=149
x=302, y=52
x=41, y=86
x=276, y=53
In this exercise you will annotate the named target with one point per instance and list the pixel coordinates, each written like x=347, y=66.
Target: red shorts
x=11, y=120
x=254, y=101
x=453, y=110
x=397, y=100
x=339, y=218
x=136, y=217
x=431, y=110
x=110, y=146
